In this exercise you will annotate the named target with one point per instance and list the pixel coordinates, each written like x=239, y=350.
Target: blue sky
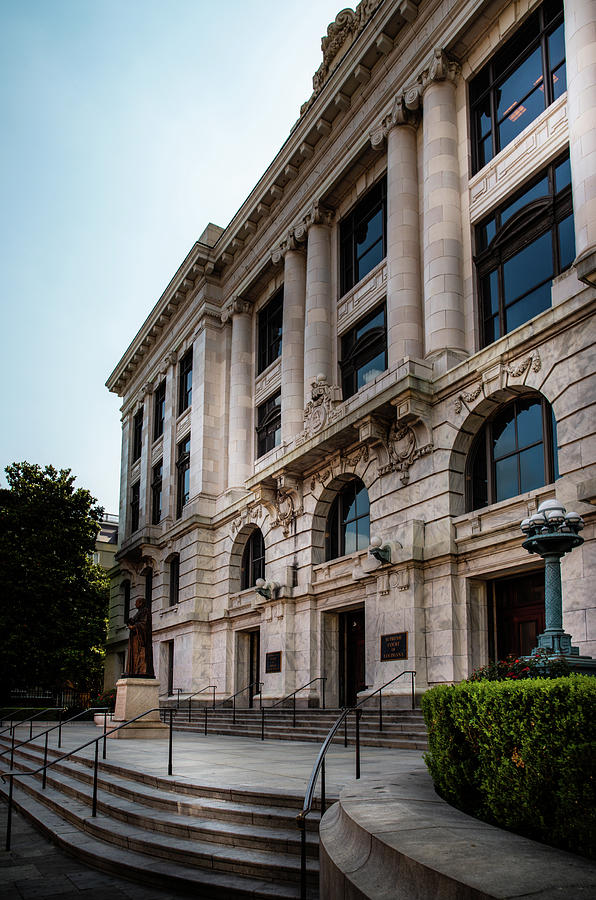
x=126, y=127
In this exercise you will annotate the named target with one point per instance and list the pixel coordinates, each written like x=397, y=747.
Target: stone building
x=390, y=348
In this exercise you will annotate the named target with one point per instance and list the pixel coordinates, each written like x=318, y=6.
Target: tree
x=53, y=612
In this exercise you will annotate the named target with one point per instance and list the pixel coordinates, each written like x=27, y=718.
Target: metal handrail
x=13, y=747
x=320, y=766
x=30, y=719
x=257, y=684
x=287, y=697
x=379, y=691
x=207, y=687
x=47, y=765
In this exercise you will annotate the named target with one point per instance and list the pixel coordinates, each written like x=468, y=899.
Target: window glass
x=562, y=175
x=556, y=46
x=521, y=82
x=559, y=81
x=348, y=523
x=364, y=352
x=531, y=466
x=363, y=237
x=270, y=332
x=538, y=190
x=253, y=561
x=506, y=478
x=269, y=424
x=520, y=117
x=566, y=233
x=527, y=268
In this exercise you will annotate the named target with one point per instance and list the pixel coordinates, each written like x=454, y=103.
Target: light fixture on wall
x=266, y=589
x=381, y=551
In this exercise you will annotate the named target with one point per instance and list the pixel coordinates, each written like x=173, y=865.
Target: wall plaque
x=394, y=646
x=273, y=661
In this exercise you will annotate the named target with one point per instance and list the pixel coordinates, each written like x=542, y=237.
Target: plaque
x=394, y=646
x=273, y=661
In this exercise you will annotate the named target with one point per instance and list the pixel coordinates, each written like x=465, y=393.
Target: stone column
x=442, y=247
x=405, y=335
x=292, y=351
x=580, y=52
x=168, y=499
x=241, y=443
x=124, y=514
x=318, y=322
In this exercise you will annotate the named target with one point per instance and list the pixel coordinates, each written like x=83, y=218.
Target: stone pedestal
x=133, y=697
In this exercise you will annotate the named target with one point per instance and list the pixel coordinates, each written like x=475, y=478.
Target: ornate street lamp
x=553, y=532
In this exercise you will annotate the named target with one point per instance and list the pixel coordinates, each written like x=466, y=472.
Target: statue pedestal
x=133, y=697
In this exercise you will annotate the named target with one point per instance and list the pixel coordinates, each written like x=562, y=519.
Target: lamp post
x=552, y=532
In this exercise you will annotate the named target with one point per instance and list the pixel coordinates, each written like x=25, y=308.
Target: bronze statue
x=140, y=649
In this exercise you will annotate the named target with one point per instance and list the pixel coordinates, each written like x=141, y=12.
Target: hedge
x=519, y=754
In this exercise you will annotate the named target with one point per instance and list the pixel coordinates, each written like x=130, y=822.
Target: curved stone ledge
x=398, y=840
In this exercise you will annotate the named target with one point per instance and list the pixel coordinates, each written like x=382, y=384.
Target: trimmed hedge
x=519, y=754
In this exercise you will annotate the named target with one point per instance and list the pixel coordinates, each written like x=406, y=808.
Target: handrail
x=259, y=686
x=287, y=697
x=13, y=747
x=30, y=719
x=47, y=765
x=320, y=766
x=207, y=687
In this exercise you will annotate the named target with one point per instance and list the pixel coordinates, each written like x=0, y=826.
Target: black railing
x=47, y=765
x=59, y=726
x=293, y=696
x=224, y=703
x=208, y=687
x=30, y=719
x=319, y=765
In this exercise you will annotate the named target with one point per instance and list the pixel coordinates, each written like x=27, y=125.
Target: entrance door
x=517, y=615
x=351, y=656
x=254, y=665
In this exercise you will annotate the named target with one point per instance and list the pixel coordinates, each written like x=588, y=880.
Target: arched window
x=174, y=567
x=514, y=452
x=253, y=561
x=348, y=523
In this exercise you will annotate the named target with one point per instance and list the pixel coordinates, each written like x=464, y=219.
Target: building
x=106, y=543
x=390, y=346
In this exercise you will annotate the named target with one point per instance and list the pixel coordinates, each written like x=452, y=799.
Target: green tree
x=54, y=604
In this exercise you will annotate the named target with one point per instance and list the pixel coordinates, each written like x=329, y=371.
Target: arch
x=329, y=495
x=513, y=451
x=239, y=546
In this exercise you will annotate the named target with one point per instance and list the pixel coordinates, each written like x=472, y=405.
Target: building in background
x=106, y=544
x=357, y=389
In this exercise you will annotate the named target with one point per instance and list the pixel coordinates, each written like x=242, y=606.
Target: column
x=292, y=351
x=442, y=249
x=405, y=336
x=580, y=51
x=240, y=444
x=124, y=512
x=318, y=333
x=168, y=499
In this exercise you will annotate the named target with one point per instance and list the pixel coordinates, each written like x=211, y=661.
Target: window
x=269, y=424
x=156, y=492
x=363, y=352
x=363, y=240
x=521, y=247
x=185, y=382
x=524, y=77
x=137, y=435
x=135, y=506
x=148, y=587
x=183, y=480
x=126, y=601
x=174, y=580
x=253, y=561
x=270, y=331
x=159, y=410
x=515, y=452
x=348, y=523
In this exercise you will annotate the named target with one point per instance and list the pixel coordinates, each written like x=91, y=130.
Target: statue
x=140, y=649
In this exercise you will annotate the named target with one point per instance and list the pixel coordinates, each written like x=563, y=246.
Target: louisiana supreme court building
x=338, y=412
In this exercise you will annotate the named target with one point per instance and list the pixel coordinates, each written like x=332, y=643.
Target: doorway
x=352, y=657
x=254, y=666
x=515, y=615
x=248, y=666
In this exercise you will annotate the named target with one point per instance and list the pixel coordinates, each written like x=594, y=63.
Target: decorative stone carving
x=467, y=397
x=321, y=408
x=292, y=241
x=320, y=477
x=406, y=442
x=442, y=68
x=236, y=307
x=147, y=388
x=401, y=113
x=250, y=515
x=170, y=359
x=351, y=458
x=317, y=215
x=288, y=501
x=532, y=361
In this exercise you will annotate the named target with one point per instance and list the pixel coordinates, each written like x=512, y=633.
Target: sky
x=127, y=126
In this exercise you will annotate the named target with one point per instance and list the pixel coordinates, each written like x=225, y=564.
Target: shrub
x=106, y=698
x=542, y=664
x=519, y=754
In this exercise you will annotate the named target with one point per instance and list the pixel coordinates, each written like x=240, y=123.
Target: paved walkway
x=35, y=869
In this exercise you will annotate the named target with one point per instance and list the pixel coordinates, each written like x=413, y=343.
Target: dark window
x=363, y=236
x=137, y=435
x=159, y=410
x=174, y=580
x=126, y=601
x=524, y=77
x=135, y=506
x=148, y=587
x=348, y=523
x=183, y=479
x=515, y=452
x=363, y=352
x=269, y=424
x=253, y=561
x=185, y=382
x=270, y=331
x=156, y=492
x=522, y=246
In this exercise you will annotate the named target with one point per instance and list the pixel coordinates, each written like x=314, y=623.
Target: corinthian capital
x=441, y=68
x=316, y=215
x=235, y=307
x=292, y=241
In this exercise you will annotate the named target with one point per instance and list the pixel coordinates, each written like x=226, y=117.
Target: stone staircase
x=402, y=729
x=210, y=842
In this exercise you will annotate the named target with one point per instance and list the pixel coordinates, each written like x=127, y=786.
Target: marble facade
x=390, y=99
